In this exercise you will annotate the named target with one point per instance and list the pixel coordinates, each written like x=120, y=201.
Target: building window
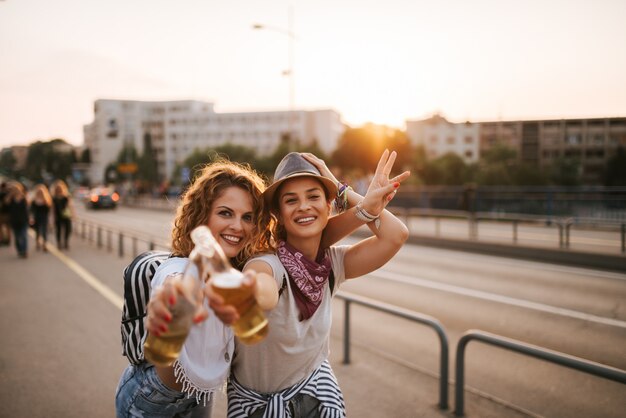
x=573, y=139
x=450, y=140
x=433, y=139
x=469, y=154
x=112, y=128
x=469, y=140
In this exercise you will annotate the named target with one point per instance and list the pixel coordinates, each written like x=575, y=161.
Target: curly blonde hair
x=197, y=201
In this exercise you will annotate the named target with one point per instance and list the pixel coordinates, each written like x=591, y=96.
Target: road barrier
x=86, y=230
x=552, y=356
x=411, y=316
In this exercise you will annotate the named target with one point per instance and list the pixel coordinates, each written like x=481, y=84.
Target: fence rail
x=406, y=314
x=558, y=228
x=556, y=357
x=94, y=232
x=562, y=226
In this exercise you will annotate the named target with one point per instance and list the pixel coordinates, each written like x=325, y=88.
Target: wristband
x=365, y=216
x=341, y=201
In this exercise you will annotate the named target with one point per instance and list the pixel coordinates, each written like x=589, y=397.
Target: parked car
x=102, y=197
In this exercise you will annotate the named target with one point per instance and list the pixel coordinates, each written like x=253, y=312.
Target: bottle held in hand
x=165, y=349
x=252, y=325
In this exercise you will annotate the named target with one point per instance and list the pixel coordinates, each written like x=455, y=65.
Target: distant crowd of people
x=44, y=209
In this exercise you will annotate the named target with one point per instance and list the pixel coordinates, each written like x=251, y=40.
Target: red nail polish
x=396, y=185
x=172, y=300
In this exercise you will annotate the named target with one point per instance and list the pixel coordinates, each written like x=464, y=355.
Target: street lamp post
x=289, y=72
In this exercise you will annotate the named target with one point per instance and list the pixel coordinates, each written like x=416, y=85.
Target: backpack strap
x=137, y=285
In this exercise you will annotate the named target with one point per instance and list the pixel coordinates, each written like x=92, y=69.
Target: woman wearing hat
x=288, y=373
x=227, y=197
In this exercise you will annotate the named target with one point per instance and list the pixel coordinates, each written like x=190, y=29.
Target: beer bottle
x=165, y=349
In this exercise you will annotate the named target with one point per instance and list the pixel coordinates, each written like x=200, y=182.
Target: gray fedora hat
x=295, y=165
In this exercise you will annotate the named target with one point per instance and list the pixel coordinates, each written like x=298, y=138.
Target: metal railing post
x=437, y=228
x=99, y=237
x=120, y=245
x=623, y=238
x=346, y=332
x=109, y=240
x=514, y=231
x=410, y=315
x=552, y=356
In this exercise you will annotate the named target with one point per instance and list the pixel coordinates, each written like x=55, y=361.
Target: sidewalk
x=61, y=355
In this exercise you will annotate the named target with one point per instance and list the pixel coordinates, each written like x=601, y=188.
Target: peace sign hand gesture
x=382, y=189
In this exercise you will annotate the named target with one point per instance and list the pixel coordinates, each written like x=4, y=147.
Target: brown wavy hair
x=195, y=207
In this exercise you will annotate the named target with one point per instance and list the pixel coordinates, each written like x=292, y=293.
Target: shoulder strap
x=137, y=278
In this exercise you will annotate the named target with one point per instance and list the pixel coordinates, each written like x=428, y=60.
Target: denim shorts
x=141, y=394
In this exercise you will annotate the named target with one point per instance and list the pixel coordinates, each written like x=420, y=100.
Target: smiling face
x=231, y=219
x=303, y=208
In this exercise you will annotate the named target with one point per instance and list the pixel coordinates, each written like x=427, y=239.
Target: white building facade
x=439, y=137
x=177, y=128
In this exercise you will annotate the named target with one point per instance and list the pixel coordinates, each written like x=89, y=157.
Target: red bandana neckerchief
x=309, y=277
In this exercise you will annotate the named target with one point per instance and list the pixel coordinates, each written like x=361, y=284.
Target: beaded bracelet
x=341, y=201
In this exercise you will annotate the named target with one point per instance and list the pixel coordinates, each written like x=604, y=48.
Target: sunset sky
x=371, y=60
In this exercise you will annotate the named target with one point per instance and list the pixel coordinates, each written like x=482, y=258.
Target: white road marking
x=479, y=294
x=90, y=279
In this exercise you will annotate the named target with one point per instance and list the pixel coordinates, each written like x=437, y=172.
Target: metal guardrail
x=564, y=224
x=407, y=314
x=473, y=219
x=556, y=357
x=93, y=232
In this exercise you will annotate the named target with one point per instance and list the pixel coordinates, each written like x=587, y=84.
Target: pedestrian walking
x=17, y=206
x=63, y=213
x=5, y=225
x=40, y=208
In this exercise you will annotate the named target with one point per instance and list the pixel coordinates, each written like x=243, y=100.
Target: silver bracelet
x=365, y=216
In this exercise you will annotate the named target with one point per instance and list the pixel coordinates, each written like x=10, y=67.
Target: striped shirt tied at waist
x=321, y=385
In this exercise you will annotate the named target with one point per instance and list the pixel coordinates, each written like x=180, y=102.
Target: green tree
x=7, y=163
x=147, y=166
x=566, y=172
x=199, y=157
x=449, y=169
x=398, y=141
x=45, y=161
x=85, y=156
x=357, y=149
x=496, y=166
x=615, y=172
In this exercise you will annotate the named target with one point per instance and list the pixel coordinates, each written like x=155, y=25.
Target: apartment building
x=439, y=137
x=592, y=141
x=176, y=128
